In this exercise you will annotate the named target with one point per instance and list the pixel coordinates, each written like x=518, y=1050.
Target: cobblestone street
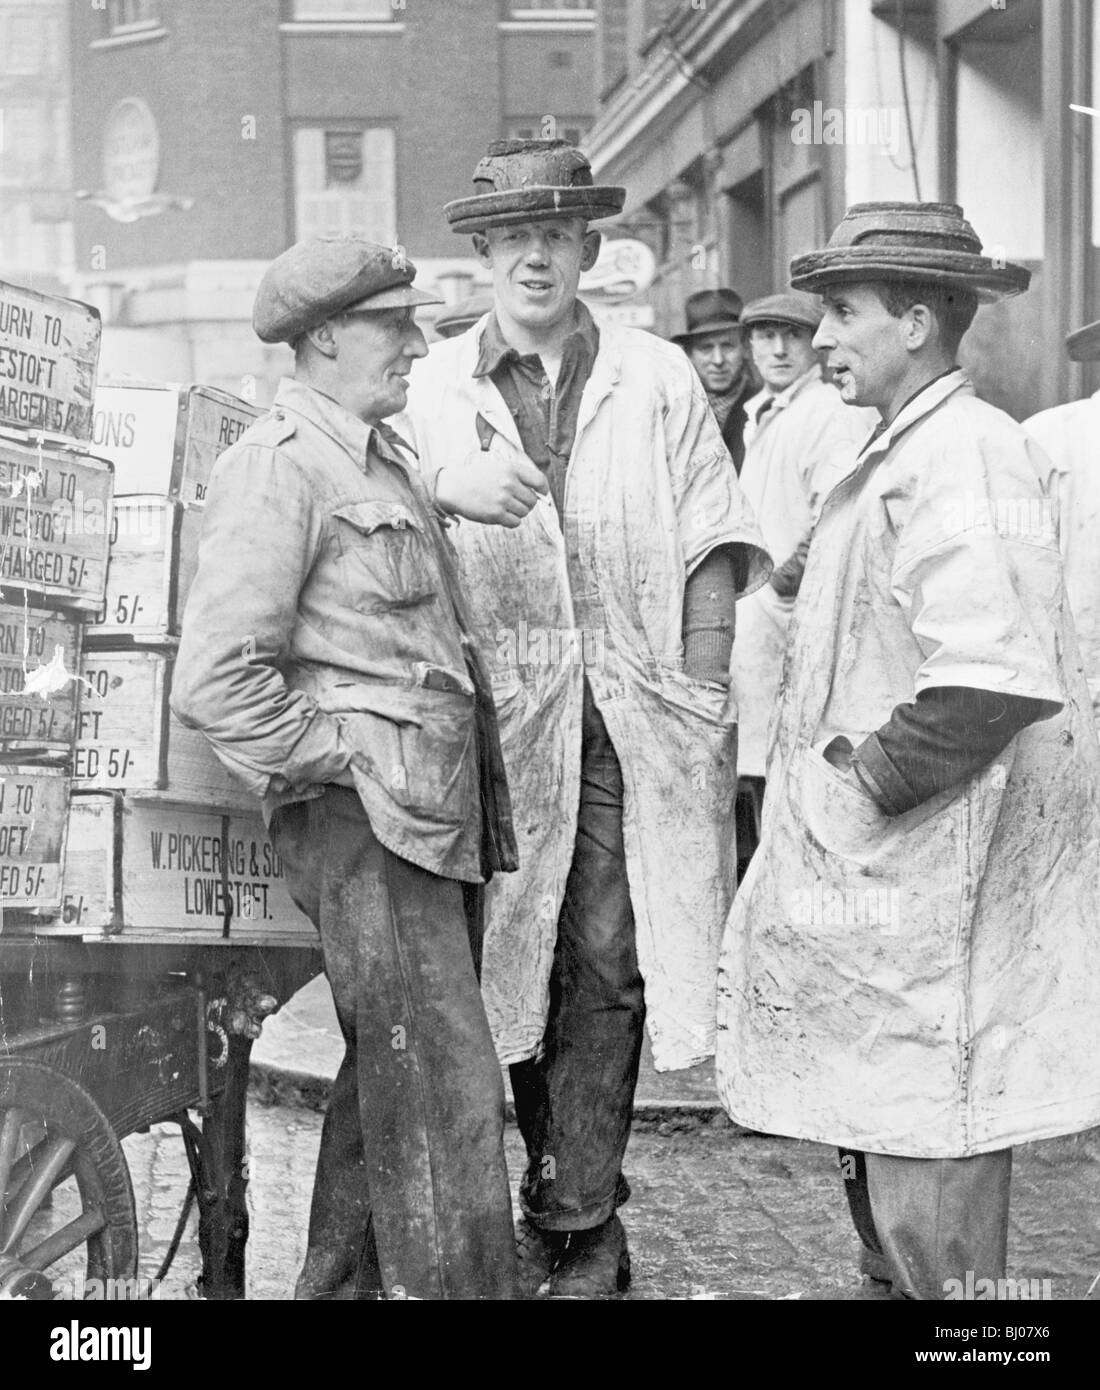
x=715, y=1213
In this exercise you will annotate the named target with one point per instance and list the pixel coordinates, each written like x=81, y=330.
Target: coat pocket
x=385, y=557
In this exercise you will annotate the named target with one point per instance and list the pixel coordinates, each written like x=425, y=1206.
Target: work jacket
x=793, y=454
x=1070, y=434
x=324, y=639
x=649, y=492
x=926, y=984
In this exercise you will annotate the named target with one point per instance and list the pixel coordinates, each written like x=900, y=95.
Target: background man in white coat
x=607, y=610
x=1070, y=434
x=912, y=966
x=795, y=426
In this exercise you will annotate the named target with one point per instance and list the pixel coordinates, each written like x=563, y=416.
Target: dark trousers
x=411, y=1195
x=574, y=1103
x=927, y=1221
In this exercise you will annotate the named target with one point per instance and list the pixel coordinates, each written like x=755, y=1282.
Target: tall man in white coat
x=912, y=966
x=606, y=611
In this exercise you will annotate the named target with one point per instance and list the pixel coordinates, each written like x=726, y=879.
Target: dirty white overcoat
x=927, y=984
x=1070, y=434
x=790, y=458
x=650, y=490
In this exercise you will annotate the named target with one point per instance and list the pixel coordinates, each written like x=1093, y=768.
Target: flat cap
x=322, y=276
x=930, y=242
x=802, y=310
x=1083, y=344
x=529, y=180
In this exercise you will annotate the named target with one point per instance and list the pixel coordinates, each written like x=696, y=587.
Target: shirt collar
x=781, y=399
x=919, y=404
x=495, y=349
x=354, y=436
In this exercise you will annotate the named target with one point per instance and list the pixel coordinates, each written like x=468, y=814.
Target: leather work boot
x=596, y=1263
x=538, y=1252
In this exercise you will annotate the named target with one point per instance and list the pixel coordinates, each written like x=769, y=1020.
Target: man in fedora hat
x=608, y=613
x=1070, y=434
x=326, y=655
x=911, y=970
x=796, y=425
x=713, y=341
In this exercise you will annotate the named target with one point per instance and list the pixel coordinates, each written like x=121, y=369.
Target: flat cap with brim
x=1083, y=344
x=930, y=242
x=530, y=181
x=322, y=276
x=802, y=310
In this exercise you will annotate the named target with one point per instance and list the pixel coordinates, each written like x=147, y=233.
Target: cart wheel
x=67, y=1220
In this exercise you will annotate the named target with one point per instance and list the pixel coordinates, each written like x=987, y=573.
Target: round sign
x=624, y=267
x=131, y=151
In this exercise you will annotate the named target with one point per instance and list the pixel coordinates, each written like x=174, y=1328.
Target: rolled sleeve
x=711, y=509
x=261, y=535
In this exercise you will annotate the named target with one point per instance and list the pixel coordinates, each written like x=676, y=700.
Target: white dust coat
x=650, y=491
x=926, y=984
x=1070, y=434
x=790, y=465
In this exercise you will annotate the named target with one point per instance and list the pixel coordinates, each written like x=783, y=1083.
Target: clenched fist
x=497, y=485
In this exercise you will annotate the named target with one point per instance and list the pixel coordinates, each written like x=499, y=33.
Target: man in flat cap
x=1070, y=434
x=912, y=966
x=326, y=655
x=608, y=613
x=713, y=341
x=796, y=426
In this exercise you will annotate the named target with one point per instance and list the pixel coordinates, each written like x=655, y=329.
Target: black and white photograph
x=550, y=665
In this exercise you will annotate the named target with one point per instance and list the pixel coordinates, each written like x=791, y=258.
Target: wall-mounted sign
x=131, y=151
x=624, y=267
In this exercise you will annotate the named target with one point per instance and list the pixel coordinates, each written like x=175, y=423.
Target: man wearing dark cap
x=326, y=656
x=911, y=970
x=1070, y=434
x=608, y=611
x=796, y=426
x=713, y=341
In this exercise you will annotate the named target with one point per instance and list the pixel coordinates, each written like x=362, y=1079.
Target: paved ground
x=715, y=1213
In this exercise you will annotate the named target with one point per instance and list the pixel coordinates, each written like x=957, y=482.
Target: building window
x=25, y=147
x=344, y=182
x=131, y=16
x=25, y=42
x=571, y=128
x=342, y=11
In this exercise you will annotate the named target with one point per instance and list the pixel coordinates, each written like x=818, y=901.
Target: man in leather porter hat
x=607, y=608
x=911, y=970
x=326, y=655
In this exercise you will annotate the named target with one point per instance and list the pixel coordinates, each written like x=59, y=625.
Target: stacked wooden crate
x=55, y=517
x=163, y=844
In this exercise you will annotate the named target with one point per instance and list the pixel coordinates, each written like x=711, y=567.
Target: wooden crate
x=129, y=739
x=152, y=870
x=49, y=352
x=34, y=725
x=33, y=820
x=55, y=525
x=165, y=439
x=154, y=554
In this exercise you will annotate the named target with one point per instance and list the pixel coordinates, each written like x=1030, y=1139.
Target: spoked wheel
x=67, y=1222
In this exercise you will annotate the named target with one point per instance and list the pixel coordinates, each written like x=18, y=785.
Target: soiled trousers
x=927, y=1221
x=574, y=1104
x=411, y=1195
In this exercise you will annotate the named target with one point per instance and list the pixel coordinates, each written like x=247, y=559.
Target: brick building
x=211, y=135
x=36, y=234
